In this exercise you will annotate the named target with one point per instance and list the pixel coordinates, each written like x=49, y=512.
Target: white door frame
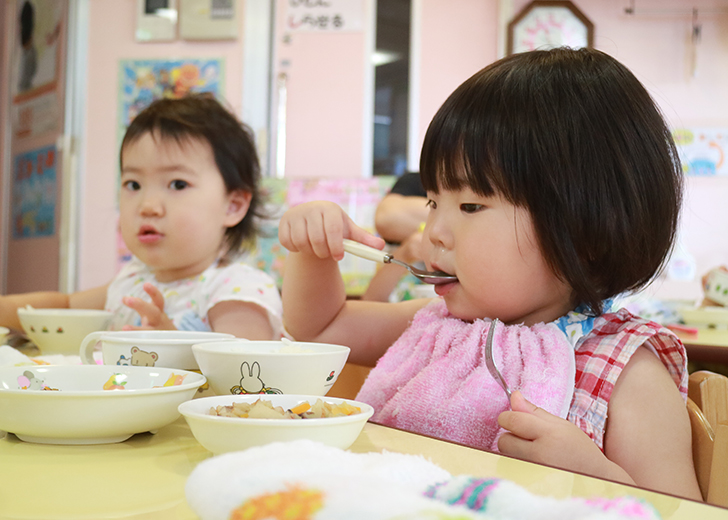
x=73, y=143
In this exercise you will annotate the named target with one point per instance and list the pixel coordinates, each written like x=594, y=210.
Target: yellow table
x=708, y=345
x=144, y=477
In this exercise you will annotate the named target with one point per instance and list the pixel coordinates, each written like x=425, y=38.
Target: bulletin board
x=33, y=206
x=36, y=68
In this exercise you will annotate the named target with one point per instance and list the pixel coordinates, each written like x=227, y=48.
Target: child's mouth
x=148, y=235
x=442, y=289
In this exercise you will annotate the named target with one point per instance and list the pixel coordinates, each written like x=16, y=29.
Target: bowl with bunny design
x=241, y=367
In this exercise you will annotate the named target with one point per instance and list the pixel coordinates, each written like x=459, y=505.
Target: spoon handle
x=366, y=252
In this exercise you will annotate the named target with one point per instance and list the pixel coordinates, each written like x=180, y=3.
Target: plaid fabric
x=603, y=353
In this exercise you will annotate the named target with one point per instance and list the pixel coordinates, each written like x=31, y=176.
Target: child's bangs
x=460, y=157
x=162, y=129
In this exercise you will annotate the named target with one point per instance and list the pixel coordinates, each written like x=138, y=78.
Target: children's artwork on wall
x=143, y=81
x=33, y=206
x=702, y=150
x=36, y=66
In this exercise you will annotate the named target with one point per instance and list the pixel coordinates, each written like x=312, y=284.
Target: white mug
x=162, y=348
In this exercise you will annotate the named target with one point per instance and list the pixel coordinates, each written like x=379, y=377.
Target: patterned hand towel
x=434, y=379
x=304, y=480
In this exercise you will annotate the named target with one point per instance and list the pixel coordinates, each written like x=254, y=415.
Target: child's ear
x=238, y=204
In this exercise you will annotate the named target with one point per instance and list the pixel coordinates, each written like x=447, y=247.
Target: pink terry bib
x=434, y=380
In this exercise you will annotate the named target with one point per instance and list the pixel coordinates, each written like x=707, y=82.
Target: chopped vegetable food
x=262, y=409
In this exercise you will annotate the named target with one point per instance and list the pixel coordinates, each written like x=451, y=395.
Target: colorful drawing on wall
x=702, y=150
x=143, y=81
x=36, y=63
x=33, y=207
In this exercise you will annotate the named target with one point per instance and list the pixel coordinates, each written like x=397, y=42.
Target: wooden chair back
x=708, y=411
x=349, y=382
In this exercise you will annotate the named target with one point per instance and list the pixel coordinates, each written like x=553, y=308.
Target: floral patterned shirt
x=188, y=301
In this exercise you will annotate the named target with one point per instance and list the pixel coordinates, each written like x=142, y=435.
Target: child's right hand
x=319, y=228
x=152, y=314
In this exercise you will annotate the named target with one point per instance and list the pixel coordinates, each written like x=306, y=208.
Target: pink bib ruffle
x=434, y=380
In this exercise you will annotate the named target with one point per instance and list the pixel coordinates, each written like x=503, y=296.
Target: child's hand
x=153, y=316
x=537, y=436
x=319, y=228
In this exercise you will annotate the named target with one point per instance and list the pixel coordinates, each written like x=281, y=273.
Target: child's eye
x=178, y=184
x=471, y=208
x=131, y=185
x=431, y=204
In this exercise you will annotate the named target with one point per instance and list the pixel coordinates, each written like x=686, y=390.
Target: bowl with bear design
x=151, y=348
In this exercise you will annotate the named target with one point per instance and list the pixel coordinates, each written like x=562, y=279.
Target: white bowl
x=67, y=404
x=224, y=434
x=153, y=348
x=61, y=331
x=270, y=367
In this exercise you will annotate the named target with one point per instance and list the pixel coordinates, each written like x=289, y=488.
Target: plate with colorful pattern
x=91, y=404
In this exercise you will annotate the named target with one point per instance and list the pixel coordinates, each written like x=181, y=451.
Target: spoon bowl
x=369, y=253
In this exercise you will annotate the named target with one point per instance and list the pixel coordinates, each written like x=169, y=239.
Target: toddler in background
x=554, y=185
x=188, y=203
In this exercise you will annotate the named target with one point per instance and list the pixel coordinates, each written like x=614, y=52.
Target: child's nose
x=437, y=231
x=151, y=205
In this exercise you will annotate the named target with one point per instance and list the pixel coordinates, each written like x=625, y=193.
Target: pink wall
x=458, y=39
x=111, y=38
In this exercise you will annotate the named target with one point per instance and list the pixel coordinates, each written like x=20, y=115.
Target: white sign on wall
x=324, y=15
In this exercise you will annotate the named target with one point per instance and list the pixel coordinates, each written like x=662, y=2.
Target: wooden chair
x=708, y=411
x=349, y=381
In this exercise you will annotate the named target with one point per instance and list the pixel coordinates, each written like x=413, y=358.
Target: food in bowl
x=241, y=367
x=224, y=434
x=263, y=409
x=91, y=404
x=61, y=331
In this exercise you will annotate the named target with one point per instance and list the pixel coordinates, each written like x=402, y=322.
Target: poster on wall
x=702, y=150
x=36, y=67
x=143, y=81
x=329, y=16
x=33, y=206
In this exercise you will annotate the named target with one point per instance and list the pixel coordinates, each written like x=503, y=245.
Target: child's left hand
x=538, y=436
x=153, y=316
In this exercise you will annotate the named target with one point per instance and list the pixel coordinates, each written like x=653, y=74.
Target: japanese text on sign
x=324, y=15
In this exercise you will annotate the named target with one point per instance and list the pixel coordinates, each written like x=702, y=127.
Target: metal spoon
x=369, y=253
x=491, y=364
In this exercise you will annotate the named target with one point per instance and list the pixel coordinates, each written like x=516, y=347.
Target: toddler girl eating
x=553, y=186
